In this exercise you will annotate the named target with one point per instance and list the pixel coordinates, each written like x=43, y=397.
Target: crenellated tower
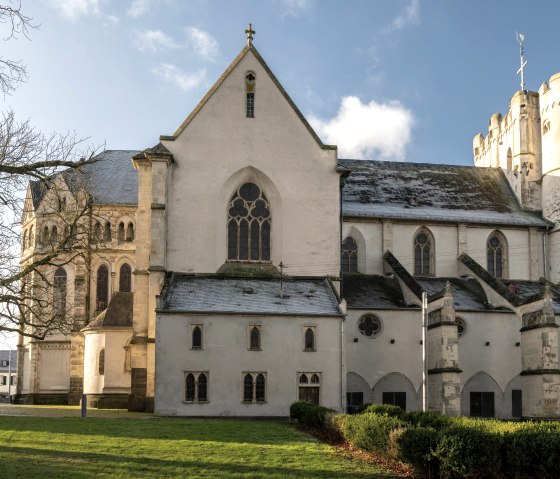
x=513, y=143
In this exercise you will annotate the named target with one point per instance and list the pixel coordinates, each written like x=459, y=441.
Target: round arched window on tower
x=369, y=325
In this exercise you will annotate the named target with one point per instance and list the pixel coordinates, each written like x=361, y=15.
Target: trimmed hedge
x=447, y=447
x=309, y=414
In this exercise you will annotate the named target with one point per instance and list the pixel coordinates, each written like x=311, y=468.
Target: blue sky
x=410, y=80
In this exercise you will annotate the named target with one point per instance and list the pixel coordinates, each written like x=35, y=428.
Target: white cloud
x=368, y=131
x=140, y=7
x=182, y=80
x=112, y=19
x=74, y=9
x=409, y=16
x=203, y=43
x=153, y=40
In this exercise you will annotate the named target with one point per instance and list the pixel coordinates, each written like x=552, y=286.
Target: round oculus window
x=369, y=326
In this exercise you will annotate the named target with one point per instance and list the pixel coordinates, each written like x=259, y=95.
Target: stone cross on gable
x=250, y=32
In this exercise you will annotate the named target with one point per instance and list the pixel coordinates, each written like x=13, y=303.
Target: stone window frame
x=375, y=318
x=305, y=328
x=200, y=326
x=254, y=384
x=307, y=380
x=461, y=322
x=250, y=346
x=418, y=248
x=196, y=375
x=491, y=268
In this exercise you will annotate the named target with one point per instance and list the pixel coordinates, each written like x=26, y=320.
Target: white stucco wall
x=225, y=358
x=220, y=149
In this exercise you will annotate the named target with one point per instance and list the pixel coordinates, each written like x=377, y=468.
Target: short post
x=424, y=352
x=84, y=405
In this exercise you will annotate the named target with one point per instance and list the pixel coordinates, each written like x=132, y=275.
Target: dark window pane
x=107, y=232
x=260, y=388
x=353, y=401
x=250, y=105
x=255, y=338
x=248, y=388
x=516, y=403
x=232, y=239
x=310, y=394
x=125, y=279
x=487, y=404
x=202, y=387
x=249, y=192
x=265, y=235
x=189, y=388
x=303, y=379
x=102, y=287
x=345, y=262
x=243, y=239
x=197, y=337
x=309, y=339
x=120, y=232
x=315, y=379
x=395, y=399
x=59, y=292
x=101, y=365
x=130, y=232
x=255, y=240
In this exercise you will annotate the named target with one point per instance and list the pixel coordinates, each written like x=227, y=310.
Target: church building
x=241, y=265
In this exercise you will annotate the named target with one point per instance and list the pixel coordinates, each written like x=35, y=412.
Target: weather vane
x=250, y=32
x=521, y=40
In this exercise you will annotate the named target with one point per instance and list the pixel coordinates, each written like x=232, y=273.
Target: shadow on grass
x=37, y=463
x=216, y=430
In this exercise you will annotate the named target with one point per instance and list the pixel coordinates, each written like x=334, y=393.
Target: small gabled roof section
x=222, y=78
x=157, y=150
x=117, y=315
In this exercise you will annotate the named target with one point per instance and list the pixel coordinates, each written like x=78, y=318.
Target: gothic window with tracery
x=249, y=222
x=349, y=256
x=254, y=388
x=125, y=278
x=196, y=387
x=496, y=254
x=423, y=253
x=255, y=339
x=250, y=98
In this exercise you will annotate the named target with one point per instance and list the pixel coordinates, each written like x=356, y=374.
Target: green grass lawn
x=39, y=447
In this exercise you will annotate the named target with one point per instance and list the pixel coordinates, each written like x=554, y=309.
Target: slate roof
x=111, y=180
x=533, y=290
x=196, y=294
x=464, y=194
x=118, y=313
x=382, y=292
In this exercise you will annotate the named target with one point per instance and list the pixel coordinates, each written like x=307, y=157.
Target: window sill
x=196, y=402
x=309, y=350
x=197, y=349
x=254, y=402
x=254, y=349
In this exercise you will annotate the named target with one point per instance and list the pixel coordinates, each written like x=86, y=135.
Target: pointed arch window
x=107, y=232
x=496, y=255
x=349, y=256
x=125, y=278
x=31, y=237
x=97, y=235
x=309, y=339
x=101, y=362
x=130, y=232
x=24, y=240
x=309, y=390
x=248, y=388
x=423, y=253
x=196, y=386
x=45, y=238
x=254, y=387
x=102, y=288
x=250, y=95
x=59, y=292
x=249, y=222
x=120, y=232
x=255, y=339
x=54, y=234
x=196, y=337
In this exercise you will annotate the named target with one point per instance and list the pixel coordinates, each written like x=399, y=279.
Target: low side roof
x=432, y=192
x=118, y=313
x=196, y=294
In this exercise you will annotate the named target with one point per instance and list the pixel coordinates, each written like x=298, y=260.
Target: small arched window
x=189, y=387
x=255, y=340
x=423, y=253
x=202, y=387
x=107, y=232
x=125, y=278
x=120, y=232
x=31, y=237
x=45, y=237
x=309, y=340
x=197, y=337
x=349, y=256
x=25, y=240
x=54, y=234
x=130, y=232
x=496, y=254
x=249, y=225
x=97, y=234
x=248, y=388
x=101, y=362
x=250, y=95
x=59, y=292
x=102, y=288
x=509, y=164
x=260, y=388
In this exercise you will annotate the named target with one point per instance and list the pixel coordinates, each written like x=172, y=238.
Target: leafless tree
x=30, y=303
